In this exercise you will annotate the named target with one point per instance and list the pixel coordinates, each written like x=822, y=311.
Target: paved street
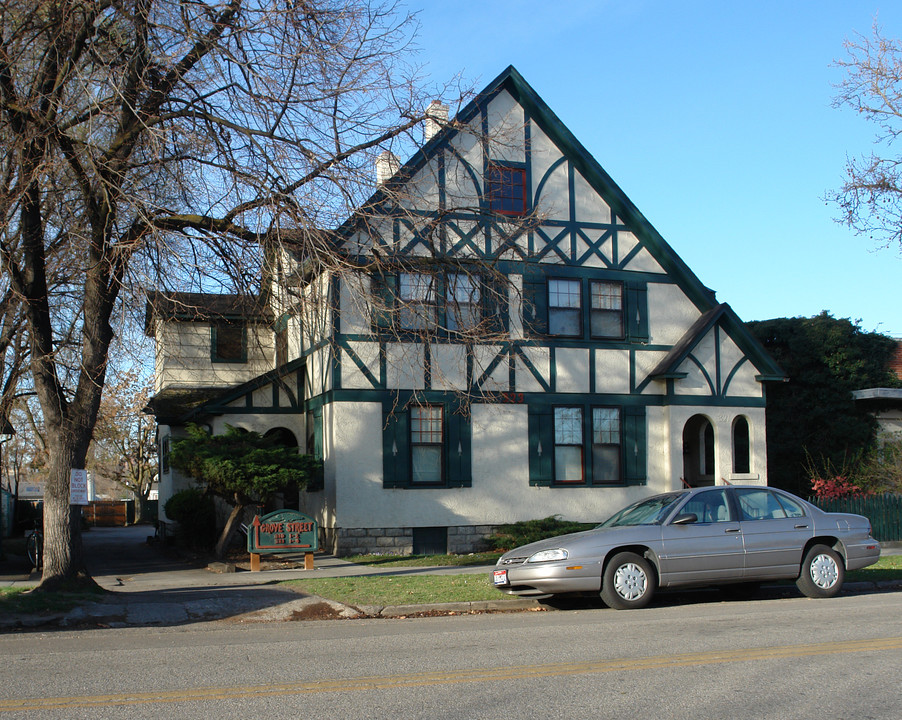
x=697, y=658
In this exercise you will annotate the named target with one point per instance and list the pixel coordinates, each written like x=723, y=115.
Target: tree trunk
x=222, y=545
x=64, y=562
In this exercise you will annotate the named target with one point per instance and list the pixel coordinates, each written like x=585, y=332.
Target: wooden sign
x=282, y=531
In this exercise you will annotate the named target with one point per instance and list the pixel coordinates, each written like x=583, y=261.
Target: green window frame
x=554, y=303
x=565, y=310
x=463, y=306
x=406, y=433
x=417, y=294
x=607, y=446
x=606, y=309
x=627, y=421
x=228, y=342
x=569, y=445
x=450, y=304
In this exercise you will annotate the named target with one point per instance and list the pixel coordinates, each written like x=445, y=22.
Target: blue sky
x=715, y=118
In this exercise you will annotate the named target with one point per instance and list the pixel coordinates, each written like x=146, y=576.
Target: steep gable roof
x=723, y=315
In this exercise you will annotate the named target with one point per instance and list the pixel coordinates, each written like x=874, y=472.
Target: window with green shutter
x=426, y=446
x=580, y=308
x=587, y=445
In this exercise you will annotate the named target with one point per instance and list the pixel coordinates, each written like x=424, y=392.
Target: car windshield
x=650, y=511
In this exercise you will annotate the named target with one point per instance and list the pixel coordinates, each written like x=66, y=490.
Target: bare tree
x=155, y=142
x=123, y=450
x=870, y=200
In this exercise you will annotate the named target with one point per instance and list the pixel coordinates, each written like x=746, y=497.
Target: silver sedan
x=698, y=537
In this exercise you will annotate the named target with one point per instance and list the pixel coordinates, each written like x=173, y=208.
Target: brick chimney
x=895, y=363
x=387, y=164
x=436, y=119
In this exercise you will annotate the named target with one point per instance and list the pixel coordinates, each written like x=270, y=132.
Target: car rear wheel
x=629, y=582
x=822, y=573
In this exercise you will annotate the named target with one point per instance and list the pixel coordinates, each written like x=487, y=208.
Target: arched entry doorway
x=698, y=451
x=283, y=436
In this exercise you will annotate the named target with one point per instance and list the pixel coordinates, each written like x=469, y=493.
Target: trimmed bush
x=193, y=510
x=510, y=536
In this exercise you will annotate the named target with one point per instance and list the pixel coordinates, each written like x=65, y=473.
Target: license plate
x=500, y=577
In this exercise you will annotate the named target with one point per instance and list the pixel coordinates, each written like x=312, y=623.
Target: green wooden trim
x=346, y=351
x=540, y=421
x=635, y=445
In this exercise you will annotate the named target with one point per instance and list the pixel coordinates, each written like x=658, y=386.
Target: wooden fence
x=884, y=512
x=109, y=513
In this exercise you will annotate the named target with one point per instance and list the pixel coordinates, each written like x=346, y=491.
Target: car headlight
x=546, y=555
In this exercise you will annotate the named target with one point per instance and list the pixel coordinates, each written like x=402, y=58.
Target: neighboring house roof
x=880, y=397
x=723, y=314
x=204, y=307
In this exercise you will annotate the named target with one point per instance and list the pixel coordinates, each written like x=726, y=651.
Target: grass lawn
x=888, y=567
x=465, y=588
x=17, y=600
x=401, y=590
x=484, y=558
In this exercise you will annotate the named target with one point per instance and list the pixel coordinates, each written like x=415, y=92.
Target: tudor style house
x=602, y=371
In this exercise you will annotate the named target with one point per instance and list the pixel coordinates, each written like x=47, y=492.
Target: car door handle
x=800, y=527
x=731, y=530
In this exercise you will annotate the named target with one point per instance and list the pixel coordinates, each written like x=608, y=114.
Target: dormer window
x=505, y=189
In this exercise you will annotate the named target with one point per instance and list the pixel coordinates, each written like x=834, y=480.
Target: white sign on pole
x=78, y=487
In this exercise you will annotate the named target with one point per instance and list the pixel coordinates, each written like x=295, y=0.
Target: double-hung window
x=426, y=444
x=505, y=189
x=568, y=445
x=606, y=316
x=564, y=307
x=418, y=309
x=462, y=302
x=606, y=445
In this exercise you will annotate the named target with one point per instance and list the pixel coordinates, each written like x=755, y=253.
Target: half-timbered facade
x=566, y=363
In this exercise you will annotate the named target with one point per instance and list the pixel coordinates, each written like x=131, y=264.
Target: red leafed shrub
x=835, y=487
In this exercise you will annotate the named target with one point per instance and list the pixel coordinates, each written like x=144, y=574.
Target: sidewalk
x=145, y=587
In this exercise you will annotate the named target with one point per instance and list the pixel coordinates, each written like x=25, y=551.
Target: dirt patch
x=316, y=611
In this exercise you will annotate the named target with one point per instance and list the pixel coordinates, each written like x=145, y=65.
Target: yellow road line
x=516, y=672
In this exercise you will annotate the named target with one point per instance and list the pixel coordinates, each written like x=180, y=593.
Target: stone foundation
x=340, y=542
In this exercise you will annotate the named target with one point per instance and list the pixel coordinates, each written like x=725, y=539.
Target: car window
x=650, y=511
x=757, y=504
x=792, y=508
x=709, y=507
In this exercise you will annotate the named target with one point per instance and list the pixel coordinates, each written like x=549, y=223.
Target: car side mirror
x=685, y=519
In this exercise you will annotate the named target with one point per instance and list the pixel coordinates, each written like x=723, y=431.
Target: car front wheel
x=822, y=573
x=629, y=582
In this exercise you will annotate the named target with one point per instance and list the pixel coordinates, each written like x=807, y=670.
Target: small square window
x=505, y=190
x=229, y=341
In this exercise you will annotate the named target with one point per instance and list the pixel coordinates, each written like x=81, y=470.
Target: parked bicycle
x=34, y=547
